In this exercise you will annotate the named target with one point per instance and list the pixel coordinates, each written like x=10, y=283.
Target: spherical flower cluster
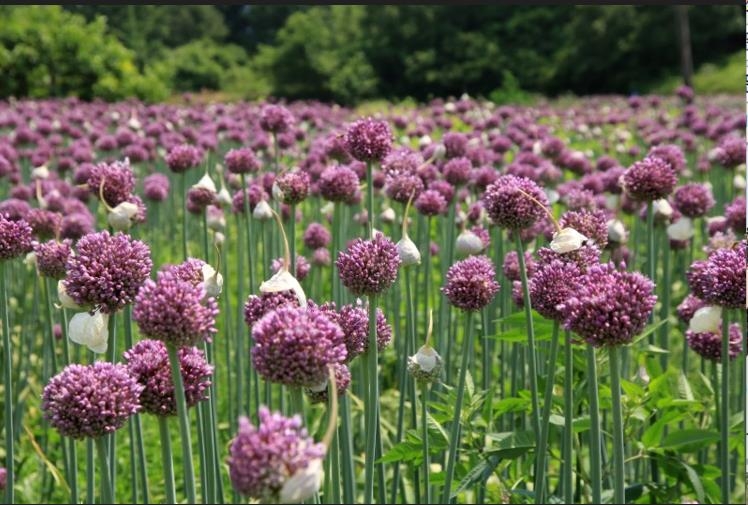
x=276, y=118
x=368, y=139
x=293, y=187
x=156, y=187
x=51, y=258
x=316, y=236
x=511, y=265
x=294, y=346
x=720, y=279
x=148, y=363
x=175, y=311
x=262, y=458
x=183, y=157
x=320, y=394
x=693, y=200
x=190, y=270
x=107, y=270
x=457, y=171
x=552, y=284
x=15, y=238
x=369, y=267
x=670, y=153
x=402, y=187
x=688, y=307
x=92, y=400
x=118, y=179
x=401, y=161
x=508, y=207
x=45, y=224
x=593, y=224
x=735, y=215
x=338, y=183
x=649, y=180
x=241, y=161
x=259, y=305
x=302, y=267
x=608, y=307
x=471, y=283
x=431, y=203
x=455, y=144
x=354, y=321
x=731, y=151
x=709, y=344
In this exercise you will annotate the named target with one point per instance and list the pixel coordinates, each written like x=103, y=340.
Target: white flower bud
x=440, y=152
x=642, y=375
x=134, y=123
x=662, y=208
x=215, y=221
x=303, y=484
x=468, y=243
x=567, y=240
x=408, y=251
x=739, y=181
x=388, y=215
x=30, y=259
x=552, y=195
x=425, y=365
x=262, y=211
x=224, y=197
x=206, y=182
x=212, y=281
x=617, y=231
x=218, y=239
x=682, y=229
x=328, y=208
x=41, y=172
x=65, y=300
x=91, y=331
x=706, y=319
x=283, y=281
x=120, y=217
x=611, y=201
x=276, y=192
x=424, y=141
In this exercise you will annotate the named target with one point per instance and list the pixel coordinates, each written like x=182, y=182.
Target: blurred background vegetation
x=354, y=53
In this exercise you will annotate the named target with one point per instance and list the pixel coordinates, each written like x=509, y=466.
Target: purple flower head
x=254, y=194
x=259, y=305
x=77, y=224
x=457, y=171
x=431, y=203
x=302, y=267
x=175, y=311
x=720, y=279
x=148, y=363
x=321, y=257
x=444, y=188
x=735, y=214
x=731, y=151
x=585, y=256
x=693, y=200
x=471, y=283
x=508, y=205
x=156, y=187
x=688, y=307
x=118, y=179
x=402, y=186
x=670, y=153
x=293, y=187
x=368, y=139
x=338, y=183
x=107, y=270
x=354, y=321
x=92, y=400
x=44, y=223
x=316, y=236
x=262, y=458
x=198, y=199
x=455, y=144
x=709, y=345
x=590, y=223
x=511, y=265
x=294, y=346
x=15, y=238
x=241, y=161
x=649, y=179
x=3, y=478
x=51, y=258
x=276, y=119
x=321, y=394
x=190, y=270
x=369, y=267
x=401, y=161
x=183, y=157
x=552, y=284
x=608, y=307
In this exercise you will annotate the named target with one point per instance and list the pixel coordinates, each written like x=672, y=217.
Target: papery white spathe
x=388, y=215
x=206, y=182
x=283, y=281
x=262, y=211
x=706, y=319
x=303, y=484
x=567, y=240
x=212, y=281
x=120, y=217
x=617, y=231
x=682, y=229
x=426, y=358
x=408, y=252
x=90, y=330
x=65, y=300
x=468, y=243
x=662, y=208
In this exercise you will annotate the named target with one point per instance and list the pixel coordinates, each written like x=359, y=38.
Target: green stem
x=542, y=450
x=595, y=434
x=370, y=198
x=297, y=401
x=454, y=435
x=372, y=398
x=184, y=424
x=292, y=240
x=106, y=484
x=136, y=420
x=566, y=478
x=346, y=447
x=618, y=446
x=167, y=460
x=425, y=444
x=90, y=470
x=665, y=311
x=8, y=380
x=724, y=417
x=250, y=242
x=183, y=190
x=532, y=354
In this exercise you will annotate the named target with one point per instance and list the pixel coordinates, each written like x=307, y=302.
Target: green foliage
x=510, y=92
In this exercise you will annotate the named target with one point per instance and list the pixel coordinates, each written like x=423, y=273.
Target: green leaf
x=695, y=481
x=653, y=435
x=653, y=349
x=684, y=388
x=632, y=389
x=509, y=444
x=690, y=440
x=511, y=404
x=647, y=331
x=479, y=473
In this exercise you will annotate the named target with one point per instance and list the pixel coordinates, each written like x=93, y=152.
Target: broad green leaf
x=690, y=440
x=509, y=444
x=653, y=435
x=693, y=477
x=512, y=404
x=684, y=389
x=479, y=473
x=632, y=389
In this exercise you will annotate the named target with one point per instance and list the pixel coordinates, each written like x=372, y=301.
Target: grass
x=712, y=79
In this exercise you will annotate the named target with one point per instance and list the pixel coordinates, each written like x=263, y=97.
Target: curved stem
x=595, y=454
x=541, y=450
x=532, y=354
x=454, y=434
x=106, y=484
x=619, y=487
x=184, y=424
x=167, y=460
x=8, y=380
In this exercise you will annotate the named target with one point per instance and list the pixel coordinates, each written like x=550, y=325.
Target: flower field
x=455, y=302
